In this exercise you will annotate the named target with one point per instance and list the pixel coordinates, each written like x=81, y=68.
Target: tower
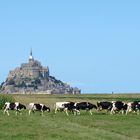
x=31, y=56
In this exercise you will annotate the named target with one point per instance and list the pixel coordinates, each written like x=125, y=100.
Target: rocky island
x=32, y=77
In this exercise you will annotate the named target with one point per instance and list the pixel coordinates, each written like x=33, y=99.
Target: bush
x=21, y=85
x=5, y=98
x=37, y=81
x=11, y=82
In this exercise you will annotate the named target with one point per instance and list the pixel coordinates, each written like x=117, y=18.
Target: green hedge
x=4, y=99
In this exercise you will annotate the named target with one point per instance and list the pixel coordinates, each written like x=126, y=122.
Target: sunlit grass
x=99, y=126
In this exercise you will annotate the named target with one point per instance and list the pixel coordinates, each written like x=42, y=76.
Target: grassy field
x=99, y=126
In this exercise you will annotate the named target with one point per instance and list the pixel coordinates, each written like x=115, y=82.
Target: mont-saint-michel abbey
x=32, y=77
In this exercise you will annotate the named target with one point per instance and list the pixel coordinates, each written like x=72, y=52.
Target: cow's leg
x=42, y=112
x=16, y=112
x=20, y=112
x=4, y=111
x=7, y=112
x=126, y=112
x=30, y=111
x=55, y=110
x=74, y=111
x=129, y=109
x=112, y=112
x=107, y=111
x=90, y=111
x=98, y=109
x=138, y=112
x=78, y=112
x=122, y=111
x=66, y=110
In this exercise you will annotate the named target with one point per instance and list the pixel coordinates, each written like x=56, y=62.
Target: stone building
x=32, y=77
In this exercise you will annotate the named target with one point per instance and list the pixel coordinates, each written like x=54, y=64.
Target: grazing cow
x=70, y=106
x=138, y=108
x=84, y=106
x=105, y=105
x=133, y=106
x=13, y=106
x=62, y=106
x=118, y=106
x=38, y=107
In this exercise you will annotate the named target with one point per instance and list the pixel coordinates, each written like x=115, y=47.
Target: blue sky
x=90, y=44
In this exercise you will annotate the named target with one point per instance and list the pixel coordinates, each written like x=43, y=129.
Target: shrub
x=37, y=81
x=11, y=82
x=21, y=85
x=5, y=98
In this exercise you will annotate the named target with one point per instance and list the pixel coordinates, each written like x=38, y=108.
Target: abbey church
x=32, y=77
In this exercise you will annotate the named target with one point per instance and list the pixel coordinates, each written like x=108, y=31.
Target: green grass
x=99, y=126
x=5, y=98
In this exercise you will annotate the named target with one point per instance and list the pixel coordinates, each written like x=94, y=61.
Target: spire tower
x=31, y=55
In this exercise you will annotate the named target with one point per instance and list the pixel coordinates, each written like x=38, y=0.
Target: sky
x=90, y=44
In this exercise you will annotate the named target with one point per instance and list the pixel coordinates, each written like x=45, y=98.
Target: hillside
x=32, y=77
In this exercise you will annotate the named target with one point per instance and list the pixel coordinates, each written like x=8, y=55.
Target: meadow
x=99, y=126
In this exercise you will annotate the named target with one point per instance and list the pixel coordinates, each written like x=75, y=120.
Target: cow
x=38, y=107
x=133, y=106
x=84, y=106
x=138, y=108
x=13, y=106
x=105, y=105
x=118, y=106
x=70, y=107
x=62, y=106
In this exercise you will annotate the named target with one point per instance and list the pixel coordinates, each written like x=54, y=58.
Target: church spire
x=31, y=55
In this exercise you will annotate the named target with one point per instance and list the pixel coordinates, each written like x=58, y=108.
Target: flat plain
x=51, y=126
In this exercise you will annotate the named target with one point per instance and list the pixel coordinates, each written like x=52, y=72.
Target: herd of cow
x=113, y=107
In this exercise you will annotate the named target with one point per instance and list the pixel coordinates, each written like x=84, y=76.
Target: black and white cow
x=84, y=106
x=138, y=108
x=13, y=106
x=105, y=105
x=38, y=107
x=62, y=106
x=133, y=107
x=70, y=106
x=118, y=106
